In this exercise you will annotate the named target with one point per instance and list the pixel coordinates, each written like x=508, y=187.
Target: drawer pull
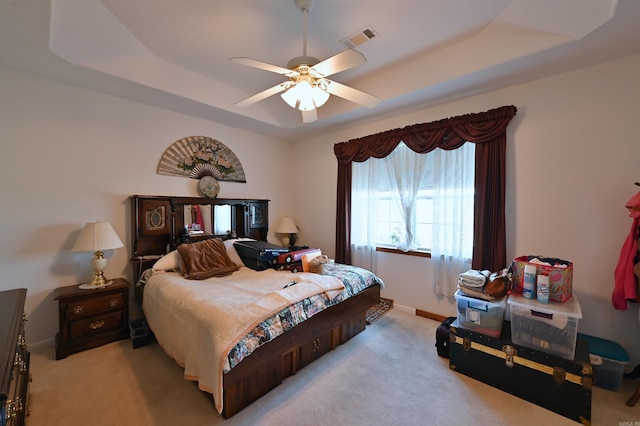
x=78, y=309
x=10, y=410
x=22, y=343
x=316, y=345
x=96, y=325
x=113, y=303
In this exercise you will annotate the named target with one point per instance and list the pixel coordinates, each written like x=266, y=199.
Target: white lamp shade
x=287, y=226
x=291, y=97
x=320, y=96
x=97, y=236
x=305, y=97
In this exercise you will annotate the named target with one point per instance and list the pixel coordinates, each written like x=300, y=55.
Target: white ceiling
x=175, y=54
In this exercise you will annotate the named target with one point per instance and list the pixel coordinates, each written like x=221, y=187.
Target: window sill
x=406, y=253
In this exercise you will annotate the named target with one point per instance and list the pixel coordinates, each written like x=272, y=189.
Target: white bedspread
x=198, y=322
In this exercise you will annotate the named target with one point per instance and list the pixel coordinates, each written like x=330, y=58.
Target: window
x=389, y=224
x=415, y=201
x=487, y=132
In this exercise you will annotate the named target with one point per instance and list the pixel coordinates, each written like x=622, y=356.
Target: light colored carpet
x=388, y=375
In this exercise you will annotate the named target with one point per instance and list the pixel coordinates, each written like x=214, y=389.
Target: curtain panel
x=487, y=130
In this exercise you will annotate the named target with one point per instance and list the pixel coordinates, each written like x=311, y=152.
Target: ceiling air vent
x=364, y=35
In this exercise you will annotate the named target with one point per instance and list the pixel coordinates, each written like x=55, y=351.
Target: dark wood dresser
x=91, y=318
x=14, y=359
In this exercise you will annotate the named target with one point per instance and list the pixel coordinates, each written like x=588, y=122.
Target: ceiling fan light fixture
x=291, y=97
x=308, y=87
x=320, y=97
x=305, y=97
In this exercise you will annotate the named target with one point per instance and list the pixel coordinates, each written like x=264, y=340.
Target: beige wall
x=68, y=156
x=573, y=156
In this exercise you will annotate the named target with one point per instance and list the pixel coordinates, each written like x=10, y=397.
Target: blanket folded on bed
x=205, y=259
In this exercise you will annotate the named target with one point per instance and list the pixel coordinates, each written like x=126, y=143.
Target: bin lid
x=605, y=348
x=570, y=308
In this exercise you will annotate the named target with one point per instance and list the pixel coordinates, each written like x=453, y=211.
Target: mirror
x=222, y=219
x=205, y=219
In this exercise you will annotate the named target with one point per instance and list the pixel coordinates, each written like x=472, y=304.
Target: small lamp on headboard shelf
x=97, y=237
x=287, y=226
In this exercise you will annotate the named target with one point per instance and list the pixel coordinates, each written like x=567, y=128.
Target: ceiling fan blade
x=264, y=66
x=263, y=95
x=340, y=62
x=352, y=94
x=309, y=116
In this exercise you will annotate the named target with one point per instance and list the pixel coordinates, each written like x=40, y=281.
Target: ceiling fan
x=308, y=87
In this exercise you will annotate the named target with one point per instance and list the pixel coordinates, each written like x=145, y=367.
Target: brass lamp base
x=98, y=281
x=99, y=262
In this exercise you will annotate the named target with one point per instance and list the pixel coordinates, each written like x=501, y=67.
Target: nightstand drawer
x=95, y=325
x=88, y=307
x=90, y=318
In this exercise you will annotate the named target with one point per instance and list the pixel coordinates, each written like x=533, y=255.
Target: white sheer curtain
x=366, y=178
x=405, y=170
x=449, y=176
x=453, y=216
x=401, y=174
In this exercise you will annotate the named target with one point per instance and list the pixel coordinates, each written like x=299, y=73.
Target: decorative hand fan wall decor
x=198, y=156
x=308, y=88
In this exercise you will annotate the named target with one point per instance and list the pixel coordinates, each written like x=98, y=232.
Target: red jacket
x=625, y=279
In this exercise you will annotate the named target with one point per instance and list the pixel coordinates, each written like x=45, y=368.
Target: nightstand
x=91, y=318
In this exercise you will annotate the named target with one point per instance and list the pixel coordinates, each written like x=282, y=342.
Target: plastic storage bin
x=481, y=315
x=608, y=360
x=550, y=328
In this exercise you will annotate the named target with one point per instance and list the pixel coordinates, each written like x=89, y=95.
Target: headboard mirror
x=160, y=223
x=206, y=220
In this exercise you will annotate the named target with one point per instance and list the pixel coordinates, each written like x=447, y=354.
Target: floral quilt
x=355, y=279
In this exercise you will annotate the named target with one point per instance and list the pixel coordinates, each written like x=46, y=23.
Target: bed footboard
x=285, y=355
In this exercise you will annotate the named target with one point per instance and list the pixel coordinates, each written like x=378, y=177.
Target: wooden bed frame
x=157, y=224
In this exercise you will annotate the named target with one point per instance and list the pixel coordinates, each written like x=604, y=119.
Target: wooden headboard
x=158, y=224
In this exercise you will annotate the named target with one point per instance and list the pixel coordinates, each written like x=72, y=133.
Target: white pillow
x=231, y=250
x=170, y=260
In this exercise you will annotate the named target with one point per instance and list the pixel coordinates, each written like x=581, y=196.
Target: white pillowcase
x=231, y=250
x=169, y=261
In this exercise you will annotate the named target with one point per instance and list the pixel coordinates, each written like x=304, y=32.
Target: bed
x=266, y=330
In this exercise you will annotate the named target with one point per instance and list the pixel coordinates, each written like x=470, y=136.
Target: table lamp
x=96, y=237
x=287, y=226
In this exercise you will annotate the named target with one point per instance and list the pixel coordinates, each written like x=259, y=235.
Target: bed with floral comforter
x=210, y=326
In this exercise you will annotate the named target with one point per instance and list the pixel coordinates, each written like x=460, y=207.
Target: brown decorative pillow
x=205, y=259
